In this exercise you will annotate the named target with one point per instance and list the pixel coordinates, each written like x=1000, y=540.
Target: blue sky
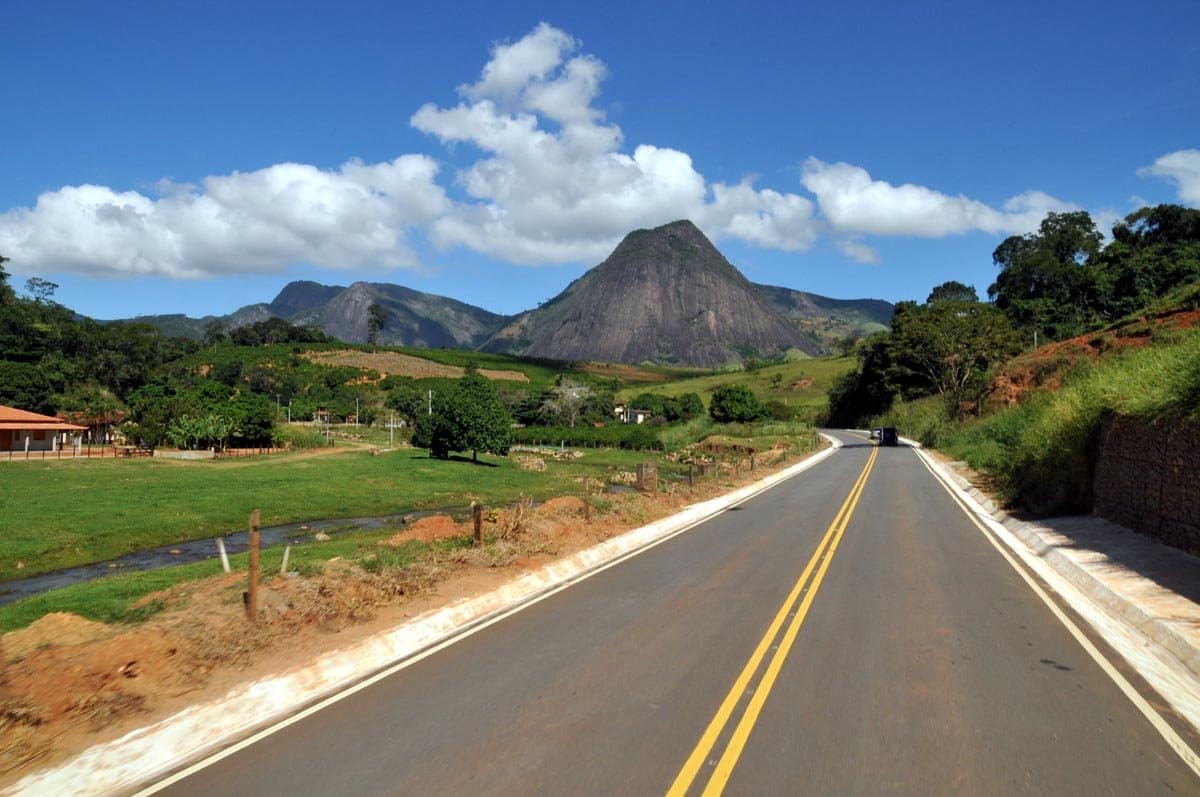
x=180, y=157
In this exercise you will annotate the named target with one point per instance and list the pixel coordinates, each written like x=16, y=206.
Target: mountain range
x=665, y=295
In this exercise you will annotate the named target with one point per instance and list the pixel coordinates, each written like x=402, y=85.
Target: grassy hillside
x=802, y=384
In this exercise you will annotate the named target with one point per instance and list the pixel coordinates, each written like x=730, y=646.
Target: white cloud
x=257, y=221
x=1183, y=169
x=854, y=202
x=858, y=251
x=554, y=183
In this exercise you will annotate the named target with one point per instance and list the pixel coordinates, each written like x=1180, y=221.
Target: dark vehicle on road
x=876, y=432
x=888, y=436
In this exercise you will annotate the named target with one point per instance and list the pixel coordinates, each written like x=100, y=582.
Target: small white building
x=21, y=430
x=630, y=415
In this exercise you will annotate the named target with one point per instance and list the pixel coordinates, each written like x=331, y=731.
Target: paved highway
x=848, y=632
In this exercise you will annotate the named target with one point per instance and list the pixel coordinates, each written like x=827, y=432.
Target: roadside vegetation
x=1118, y=333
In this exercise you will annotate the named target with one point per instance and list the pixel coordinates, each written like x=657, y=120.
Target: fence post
x=690, y=467
x=252, y=593
x=477, y=516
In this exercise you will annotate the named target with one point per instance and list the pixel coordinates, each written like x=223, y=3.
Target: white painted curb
x=148, y=754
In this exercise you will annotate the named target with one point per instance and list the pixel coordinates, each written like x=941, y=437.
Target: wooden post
x=477, y=516
x=690, y=466
x=647, y=477
x=752, y=460
x=252, y=593
x=587, y=508
x=287, y=552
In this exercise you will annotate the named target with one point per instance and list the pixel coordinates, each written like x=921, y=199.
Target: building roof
x=13, y=418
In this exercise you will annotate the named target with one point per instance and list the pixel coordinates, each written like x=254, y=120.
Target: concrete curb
x=146, y=755
x=1183, y=661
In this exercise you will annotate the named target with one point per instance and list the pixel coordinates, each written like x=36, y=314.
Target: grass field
x=60, y=514
x=803, y=384
x=121, y=506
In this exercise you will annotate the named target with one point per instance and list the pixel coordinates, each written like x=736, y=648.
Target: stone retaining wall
x=1148, y=479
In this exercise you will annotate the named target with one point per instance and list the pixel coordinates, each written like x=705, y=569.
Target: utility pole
x=356, y=411
x=431, y=402
x=289, y=410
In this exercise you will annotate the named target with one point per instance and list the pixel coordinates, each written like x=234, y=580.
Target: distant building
x=630, y=415
x=28, y=431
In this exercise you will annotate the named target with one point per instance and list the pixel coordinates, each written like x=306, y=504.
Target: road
x=849, y=632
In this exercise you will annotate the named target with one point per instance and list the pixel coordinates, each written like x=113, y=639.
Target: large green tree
x=471, y=418
x=1044, y=283
x=949, y=345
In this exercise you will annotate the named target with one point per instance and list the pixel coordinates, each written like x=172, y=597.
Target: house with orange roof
x=28, y=431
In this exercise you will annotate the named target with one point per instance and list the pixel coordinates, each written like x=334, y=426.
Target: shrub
x=735, y=404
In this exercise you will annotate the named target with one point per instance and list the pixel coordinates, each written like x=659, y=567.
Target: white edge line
x=976, y=514
x=474, y=626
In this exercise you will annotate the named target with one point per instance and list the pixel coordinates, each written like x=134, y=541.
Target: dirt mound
x=59, y=628
x=566, y=505
x=427, y=529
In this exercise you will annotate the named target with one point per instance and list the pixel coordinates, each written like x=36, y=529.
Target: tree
x=409, y=401
x=953, y=291
x=869, y=389
x=735, y=404
x=1153, y=251
x=40, y=290
x=690, y=406
x=1044, y=282
x=566, y=401
x=214, y=333
x=949, y=345
x=6, y=292
x=472, y=418
x=376, y=318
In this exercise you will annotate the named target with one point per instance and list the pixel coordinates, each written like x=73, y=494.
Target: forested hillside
x=1053, y=284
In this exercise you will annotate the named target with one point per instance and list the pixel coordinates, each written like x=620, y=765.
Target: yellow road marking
x=822, y=556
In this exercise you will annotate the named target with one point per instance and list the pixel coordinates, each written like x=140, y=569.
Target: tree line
x=1058, y=282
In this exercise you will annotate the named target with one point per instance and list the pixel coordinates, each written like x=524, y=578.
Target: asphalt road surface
x=849, y=632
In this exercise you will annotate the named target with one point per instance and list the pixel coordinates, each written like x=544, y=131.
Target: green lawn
x=61, y=514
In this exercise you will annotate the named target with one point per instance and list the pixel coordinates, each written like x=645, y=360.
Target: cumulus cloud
x=852, y=201
x=1181, y=168
x=239, y=223
x=554, y=183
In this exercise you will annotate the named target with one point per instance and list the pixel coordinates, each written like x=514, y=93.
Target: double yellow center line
x=804, y=591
